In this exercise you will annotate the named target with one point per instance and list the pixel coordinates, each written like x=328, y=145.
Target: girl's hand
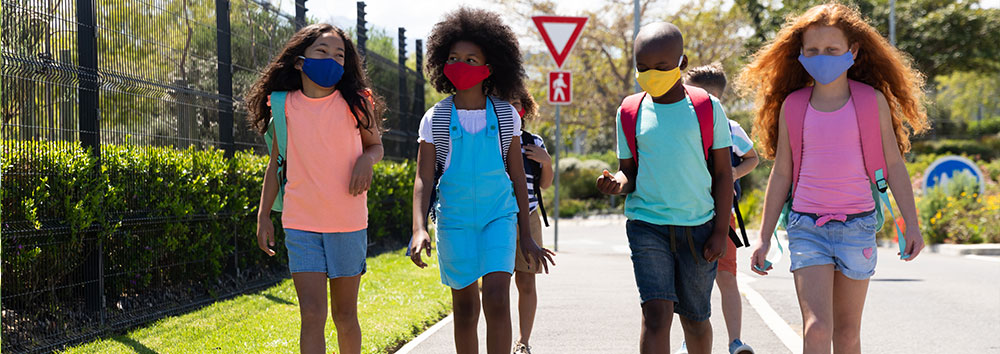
x=265, y=234
x=537, y=154
x=420, y=241
x=535, y=255
x=361, y=178
x=608, y=184
x=759, y=256
x=914, y=243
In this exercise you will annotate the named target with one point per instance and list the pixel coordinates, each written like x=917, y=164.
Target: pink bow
x=823, y=219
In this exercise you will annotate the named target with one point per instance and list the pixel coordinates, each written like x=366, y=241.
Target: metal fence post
x=362, y=32
x=402, y=114
x=225, y=79
x=418, y=88
x=225, y=76
x=90, y=137
x=300, y=14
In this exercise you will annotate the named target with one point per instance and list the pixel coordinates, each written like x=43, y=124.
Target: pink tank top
x=832, y=178
x=324, y=143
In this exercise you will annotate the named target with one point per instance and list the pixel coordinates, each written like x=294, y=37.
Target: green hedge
x=153, y=206
x=987, y=148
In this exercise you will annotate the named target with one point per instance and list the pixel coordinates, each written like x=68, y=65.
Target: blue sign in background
x=944, y=168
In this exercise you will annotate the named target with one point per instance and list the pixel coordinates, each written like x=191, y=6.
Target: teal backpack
x=277, y=133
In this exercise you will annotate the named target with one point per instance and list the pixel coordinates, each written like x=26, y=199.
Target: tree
x=602, y=62
x=942, y=36
x=971, y=96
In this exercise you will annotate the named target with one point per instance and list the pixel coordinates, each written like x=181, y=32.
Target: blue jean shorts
x=668, y=265
x=338, y=254
x=850, y=246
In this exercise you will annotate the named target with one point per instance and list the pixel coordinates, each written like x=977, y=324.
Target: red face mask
x=465, y=76
x=520, y=113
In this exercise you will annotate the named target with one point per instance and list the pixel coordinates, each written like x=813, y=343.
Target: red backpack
x=703, y=109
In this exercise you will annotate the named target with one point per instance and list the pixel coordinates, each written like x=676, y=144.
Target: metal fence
x=102, y=74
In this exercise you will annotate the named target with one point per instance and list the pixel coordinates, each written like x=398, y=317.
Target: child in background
x=479, y=181
x=321, y=98
x=538, y=172
x=835, y=102
x=712, y=78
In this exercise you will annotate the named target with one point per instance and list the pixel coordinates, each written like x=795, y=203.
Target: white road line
x=983, y=258
x=782, y=329
x=423, y=336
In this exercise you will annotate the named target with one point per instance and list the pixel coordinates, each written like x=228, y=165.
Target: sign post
x=560, y=34
x=944, y=169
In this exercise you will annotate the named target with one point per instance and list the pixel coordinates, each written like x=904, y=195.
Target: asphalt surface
x=589, y=303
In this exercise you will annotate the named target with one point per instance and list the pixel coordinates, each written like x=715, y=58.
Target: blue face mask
x=826, y=68
x=324, y=72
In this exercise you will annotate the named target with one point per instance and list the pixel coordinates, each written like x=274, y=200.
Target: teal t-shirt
x=673, y=185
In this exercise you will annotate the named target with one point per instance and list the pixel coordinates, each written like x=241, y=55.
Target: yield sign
x=560, y=34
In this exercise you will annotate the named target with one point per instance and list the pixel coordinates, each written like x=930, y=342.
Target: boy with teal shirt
x=678, y=204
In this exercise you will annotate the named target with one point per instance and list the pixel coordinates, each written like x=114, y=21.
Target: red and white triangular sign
x=560, y=34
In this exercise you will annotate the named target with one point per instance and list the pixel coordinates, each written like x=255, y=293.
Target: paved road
x=589, y=303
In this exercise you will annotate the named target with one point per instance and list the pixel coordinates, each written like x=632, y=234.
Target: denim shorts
x=338, y=254
x=669, y=266
x=850, y=246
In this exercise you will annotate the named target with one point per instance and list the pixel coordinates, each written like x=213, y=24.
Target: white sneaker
x=521, y=348
x=684, y=348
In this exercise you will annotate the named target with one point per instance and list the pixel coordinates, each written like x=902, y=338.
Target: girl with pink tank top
x=333, y=139
x=832, y=223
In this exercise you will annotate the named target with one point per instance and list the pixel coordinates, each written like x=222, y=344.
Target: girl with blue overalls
x=466, y=161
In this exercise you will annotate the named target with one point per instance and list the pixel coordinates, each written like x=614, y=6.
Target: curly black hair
x=497, y=41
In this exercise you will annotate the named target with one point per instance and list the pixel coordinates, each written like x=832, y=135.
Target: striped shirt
x=532, y=198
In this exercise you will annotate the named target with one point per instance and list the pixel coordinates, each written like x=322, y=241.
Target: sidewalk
x=589, y=303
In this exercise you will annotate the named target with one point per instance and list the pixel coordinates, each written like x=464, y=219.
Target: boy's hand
x=608, y=184
x=537, y=154
x=914, y=243
x=421, y=241
x=536, y=255
x=265, y=233
x=361, y=177
x=715, y=247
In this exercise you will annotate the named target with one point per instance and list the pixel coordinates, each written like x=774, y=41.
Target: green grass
x=396, y=302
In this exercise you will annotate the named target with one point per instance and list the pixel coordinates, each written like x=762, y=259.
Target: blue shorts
x=338, y=254
x=850, y=246
x=668, y=266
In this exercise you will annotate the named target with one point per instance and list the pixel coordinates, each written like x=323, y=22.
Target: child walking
x=836, y=105
x=712, y=78
x=673, y=150
x=538, y=174
x=324, y=139
x=465, y=161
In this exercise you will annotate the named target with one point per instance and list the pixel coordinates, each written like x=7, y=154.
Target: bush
x=986, y=127
x=986, y=148
x=153, y=206
x=956, y=213
x=578, y=178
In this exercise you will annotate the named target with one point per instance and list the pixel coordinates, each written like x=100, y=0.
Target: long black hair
x=281, y=75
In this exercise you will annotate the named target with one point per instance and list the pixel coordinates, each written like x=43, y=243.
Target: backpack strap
x=703, y=109
x=440, y=123
x=277, y=133
x=795, y=116
x=629, y=116
x=536, y=170
x=505, y=117
x=866, y=109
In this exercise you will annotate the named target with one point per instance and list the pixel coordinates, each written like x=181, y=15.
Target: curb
x=985, y=249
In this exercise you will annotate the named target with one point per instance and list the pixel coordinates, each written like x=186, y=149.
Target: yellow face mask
x=658, y=82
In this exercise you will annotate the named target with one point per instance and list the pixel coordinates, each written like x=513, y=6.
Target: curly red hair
x=775, y=72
